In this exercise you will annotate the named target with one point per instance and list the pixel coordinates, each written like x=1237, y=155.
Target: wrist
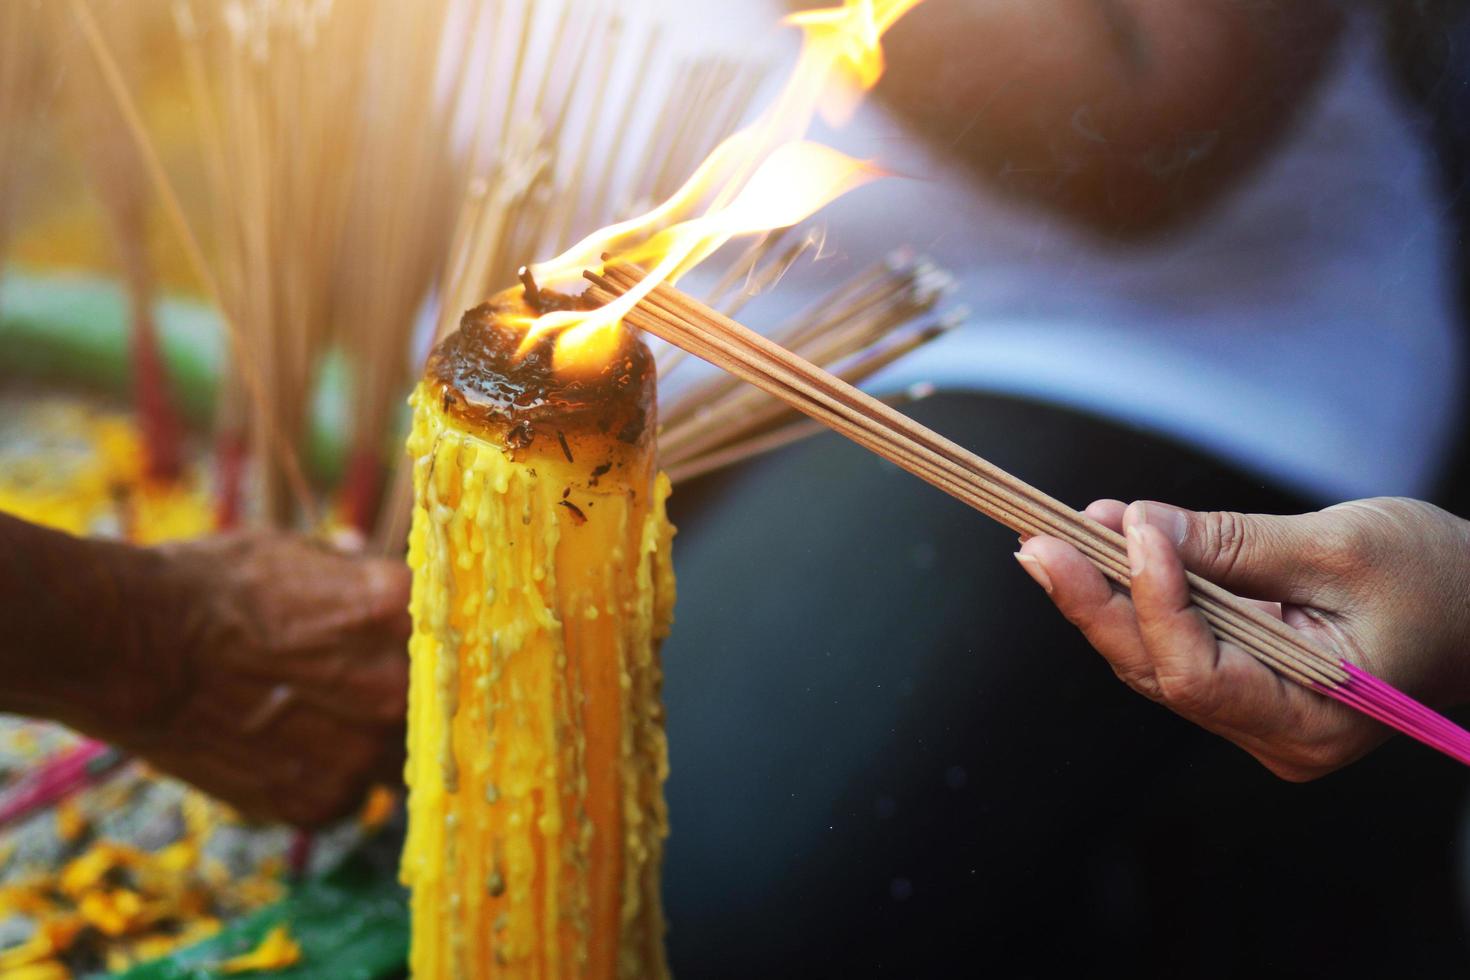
x=1435, y=597
x=120, y=678
x=93, y=634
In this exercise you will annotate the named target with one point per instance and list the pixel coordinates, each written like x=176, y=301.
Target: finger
x=1261, y=556
x=367, y=682
x=1084, y=597
x=1217, y=685
x=317, y=768
x=1272, y=609
x=1107, y=512
x=342, y=594
x=215, y=770
x=314, y=803
x=383, y=593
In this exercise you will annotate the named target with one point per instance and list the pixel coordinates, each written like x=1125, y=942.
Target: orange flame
x=763, y=177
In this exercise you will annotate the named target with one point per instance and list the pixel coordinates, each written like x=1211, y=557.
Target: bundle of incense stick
x=696, y=328
x=490, y=175
x=433, y=200
x=57, y=778
x=861, y=327
x=276, y=134
x=116, y=172
x=408, y=184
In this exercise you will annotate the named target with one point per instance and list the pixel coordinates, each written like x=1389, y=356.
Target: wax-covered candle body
x=542, y=587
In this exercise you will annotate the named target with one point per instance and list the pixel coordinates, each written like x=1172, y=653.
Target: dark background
x=892, y=758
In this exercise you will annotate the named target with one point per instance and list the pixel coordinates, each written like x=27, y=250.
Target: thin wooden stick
x=747, y=449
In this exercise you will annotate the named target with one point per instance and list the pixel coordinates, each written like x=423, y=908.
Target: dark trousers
x=891, y=757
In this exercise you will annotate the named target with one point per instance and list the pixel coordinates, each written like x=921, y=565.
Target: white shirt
x=1303, y=329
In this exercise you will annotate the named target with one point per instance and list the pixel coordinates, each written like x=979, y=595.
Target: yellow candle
x=542, y=587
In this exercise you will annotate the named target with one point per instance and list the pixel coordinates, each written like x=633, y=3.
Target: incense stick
x=116, y=171
x=409, y=182
x=22, y=69
x=685, y=322
x=856, y=330
x=56, y=778
x=277, y=136
x=775, y=438
x=248, y=375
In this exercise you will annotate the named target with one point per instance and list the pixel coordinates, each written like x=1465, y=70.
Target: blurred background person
x=1210, y=253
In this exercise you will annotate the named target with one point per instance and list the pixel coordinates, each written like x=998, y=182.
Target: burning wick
x=533, y=292
x=763, y=177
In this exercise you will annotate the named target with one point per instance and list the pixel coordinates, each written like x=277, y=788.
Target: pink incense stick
x=1380, y=700
x=298, y=857
x=57, y=778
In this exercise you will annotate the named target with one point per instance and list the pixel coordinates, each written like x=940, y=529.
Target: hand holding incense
x=688, y=324
x=1358, y=577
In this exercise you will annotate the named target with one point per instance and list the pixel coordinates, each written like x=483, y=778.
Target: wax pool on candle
x=542, y=587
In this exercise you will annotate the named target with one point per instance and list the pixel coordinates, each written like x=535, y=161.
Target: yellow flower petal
x=276, y=951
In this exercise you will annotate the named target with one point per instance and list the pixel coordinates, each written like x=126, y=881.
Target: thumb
x=1259, y=556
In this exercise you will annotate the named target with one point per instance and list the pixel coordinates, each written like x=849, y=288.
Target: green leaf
x=352, y=924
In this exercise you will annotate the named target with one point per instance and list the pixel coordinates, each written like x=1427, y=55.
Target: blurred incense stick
x=775, y=438
x=116, y=170
x=246, y=370
x=277, y=134
x=406, y=183
x=372, y=172
x=22, y=87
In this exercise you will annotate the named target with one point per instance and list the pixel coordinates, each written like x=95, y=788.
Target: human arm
x=264, y=668
x=1383, y=583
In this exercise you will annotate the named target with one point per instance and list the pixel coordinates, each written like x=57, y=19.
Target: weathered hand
x=287, y=692
x=1383, y=583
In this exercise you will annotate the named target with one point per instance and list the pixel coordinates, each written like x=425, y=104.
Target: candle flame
x=763, y=177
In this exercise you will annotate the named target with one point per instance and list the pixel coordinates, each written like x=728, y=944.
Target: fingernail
x=1036, y=570
x=1137, y=561
x=1171, y=520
